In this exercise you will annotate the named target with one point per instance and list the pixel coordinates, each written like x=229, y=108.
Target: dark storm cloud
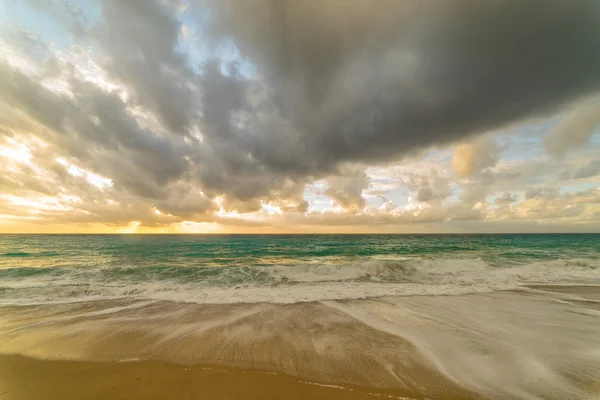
x=357, y=81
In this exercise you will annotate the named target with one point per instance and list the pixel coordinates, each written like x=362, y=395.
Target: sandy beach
x=456, y=347
x=24, y=378
x=279, y=347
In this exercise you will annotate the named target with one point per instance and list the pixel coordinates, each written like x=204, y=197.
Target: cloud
x=588, y=170
x=362, y=83
x=582, y=207
x=506, y=199
x=471, y=158
x=95, y=129
x=429, y=188
x=575, y=129
x=141, y=40
x=542, y=193
x=304, y=91
x=347, y=187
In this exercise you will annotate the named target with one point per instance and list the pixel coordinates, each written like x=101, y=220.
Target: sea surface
x=285, y=268
x=435, y=316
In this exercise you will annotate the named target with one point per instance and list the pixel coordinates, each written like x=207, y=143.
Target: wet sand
x=540, y=344
x=309, y=341
x=24, y=378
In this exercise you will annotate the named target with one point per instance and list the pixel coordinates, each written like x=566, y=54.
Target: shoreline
x=438, y=347
x=310, y=341
x=23, y=378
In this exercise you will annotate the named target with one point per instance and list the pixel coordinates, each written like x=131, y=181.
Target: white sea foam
x=509, y=344
x=295, y=283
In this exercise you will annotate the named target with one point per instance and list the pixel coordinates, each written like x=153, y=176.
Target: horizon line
x=287, y=233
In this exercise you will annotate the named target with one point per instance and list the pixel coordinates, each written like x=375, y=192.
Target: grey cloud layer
x=334, y=83
x=357, y=82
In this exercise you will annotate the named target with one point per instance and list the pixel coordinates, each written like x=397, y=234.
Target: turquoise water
x=46, y=268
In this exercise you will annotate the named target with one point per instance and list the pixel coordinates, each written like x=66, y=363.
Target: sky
x=281, y=116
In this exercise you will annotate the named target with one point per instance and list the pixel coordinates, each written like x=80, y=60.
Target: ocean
x=434, y=316
x=285, y=268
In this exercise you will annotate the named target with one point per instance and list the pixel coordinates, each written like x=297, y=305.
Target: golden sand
x=539, y=343
x=206, y=351
x=24, y=378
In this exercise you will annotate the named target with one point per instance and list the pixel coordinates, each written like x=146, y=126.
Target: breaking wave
x=287, y=283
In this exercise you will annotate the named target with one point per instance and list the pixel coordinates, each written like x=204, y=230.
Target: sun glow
x=39, y=203
x=93, y=179
x=21, y=153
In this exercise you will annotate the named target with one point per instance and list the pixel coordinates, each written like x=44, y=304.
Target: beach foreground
x=27, y=378
x=541, y=342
